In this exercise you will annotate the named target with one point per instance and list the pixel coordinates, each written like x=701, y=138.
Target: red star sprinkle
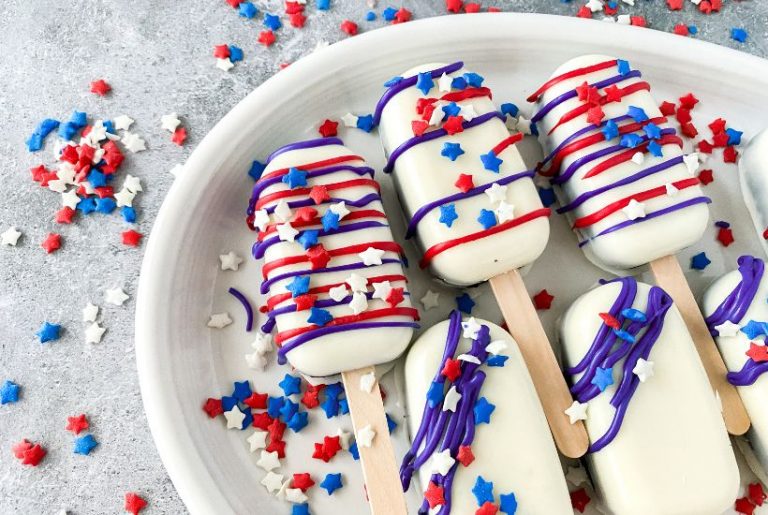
x=667, y=108
x=610, y=11
x=720, y=140
x=328, y=128
x=638, y=21
x=318, y=256
x=434, y=495
x=583, y=91
x=765, y=233
x=758, y=353
x=297, y=20
x=319, y=194
x=293, y=7
x=717, y=126
x=179, y=136
x=349, y=27
x=328, y=449
x=304, y=302
x=464, y=182
x=543, y=300
x=705, y=176
x=465, y=456
x=683, y=115
x=730, y=154
x=133, y=503
x=310, y=399
x=418, y=127
x=20, y=448
x=688, y=101
x=725, y=236
x=454, y=6
x=234, y=3
x=266, y=37
x=256, y=401
x=277, y=446
x=610, y=320
x=51, y=243
x=584, y=12
x=704, y=146
x=579, y=500
x=756, y=493
x=454, y=125
x=689, y=130
x=77, y=424
x=452, y=369
x=213, y=407
x=472, y=7
x=744, y=506
x=613, y=93
x=276, y=430
x=38, y=172
x=303, y=482
x=494, y=10
x=64, y=215
x=595, y=115
x=104, y=191
x=221, y=51
x=395, y=297
x=131, y=238
x=488, y=508
x=261, y=421
x=402, y=16
x=29, y=453
x=305, y=213
x=705, y=6
x=100, y=87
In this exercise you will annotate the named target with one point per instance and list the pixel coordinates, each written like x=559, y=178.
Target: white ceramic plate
x=181, y=362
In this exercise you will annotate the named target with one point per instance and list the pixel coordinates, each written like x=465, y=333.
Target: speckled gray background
x=157, y=56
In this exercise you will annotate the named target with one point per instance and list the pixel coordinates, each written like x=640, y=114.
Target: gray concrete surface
x=157, y=56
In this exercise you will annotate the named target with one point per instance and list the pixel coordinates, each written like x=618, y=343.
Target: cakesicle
x=753, y=174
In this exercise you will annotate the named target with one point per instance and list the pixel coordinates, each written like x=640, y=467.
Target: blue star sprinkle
x=509, y=109
x=370, y=16
x=343, y=406
x=435, y=394
x=483, y=491
x=248, y=10
x=700, y=261
x=603, y=378
x=464, y=303
x=451, y=150
x=630, y=140
x=85, y=444
x=483, y=410
x=652, y=130
x=473, y=79
x=393, y=81
x=86, y=205
x=330, y=406
x=365, y=123
x=298, y=286
x=97, y=179
x=323, y=5
x=290, y=384
x=300, y=509
x=289, y=409
x=247, y=420
x=331, y=483
x=235, y=53
x=610, y=130
x=78, y=119
x=257, y=168
x=753, y=329
x=319, y=316
x=295, y=178
x=274, y=405
x=738, y=34
x=272, y=21
x=424, y=82
x=451, y=109
x=105, y=205
x=242, y=390
x=334, y=390
x=448, y=214
x=622, y=334
x=389, y=13
x=623, y=67
x=49, y=332
x=308, y=238
x=634, y=314
x=9, y=392
x=459, y=83
x=227, y=403
x=497, y=361
x=491, y=162
x=354, y=452
x=637, y=113
x=330, y=221
x=128, y=213
x=655, y=149
x=693, y=29
x=508, y=503
x=487, y=218
x=734, y=136
x=391, y=424
x=547, y=196
x=68, y=130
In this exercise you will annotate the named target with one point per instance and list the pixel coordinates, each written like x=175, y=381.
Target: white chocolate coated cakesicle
x=332, y=273
x=753, y=174
x=482, y=411
x=658, y=441
x=468, y=198
x=622, y=179
x=736, y=307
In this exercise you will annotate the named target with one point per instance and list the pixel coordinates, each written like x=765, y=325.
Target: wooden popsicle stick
x=380, y=470
x=524, y=325
x=670, y=277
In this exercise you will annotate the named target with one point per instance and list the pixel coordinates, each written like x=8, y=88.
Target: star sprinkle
x=371, y=256
x=728, y=329
x=328, y=128
x=234, y=418
x=268, y=460
x=634, y=210
x=603, y=378
x=756, y=493
x=451, y=400
x=448, y=214
x=230, y=261
x=483, y=491
x=483, y=410
x=319, y=316
x=94, y=333
x=29, y=453
x=272, y=482
x=543, y=300
x=51, y=243
x=338, y=293
x=381, y=290
x=365, y=436
x=464, y=303
x=577, y=411
x=470, y=328
x=464, y=182
x=9, y=392
x=451, y=150
x=424, y=82
x=497, y=193
x=758, y=353
x=349, y=120
x=744, y=505
x=133, y=503
x=491, y=162
x=100, y=87
x=77, y=424
x=286, y=232
x=356, y=282
x=643, y=369
x=49, y=332
x=131, y=238
x=576, y=475
x=331, y=483
x=579, y=500
x=295, y=495
x=487, y=219
x=430, y=300
x=10, y=237
x=508, y=503
x=133, y=142
x=219, y=320
x=700, y=261
x=84, y=445
x=441, y=462
x=115, y=296
x=753, y=329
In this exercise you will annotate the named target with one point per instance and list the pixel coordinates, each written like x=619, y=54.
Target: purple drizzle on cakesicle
x=442, y=429
x=302, y=145
x=246, y=305
x=580, y=132
x=260, y=186
x=608, y=349
x=260, y=247
x=340, y=268
x=734, y=307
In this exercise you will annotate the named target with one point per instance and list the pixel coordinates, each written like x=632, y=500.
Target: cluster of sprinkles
x=726, y=321
x=622, y=344
x=454, y=407
x=755, y=496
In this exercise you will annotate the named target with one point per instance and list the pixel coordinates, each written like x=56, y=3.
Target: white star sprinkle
x=638, y=158
x=643, y=369
x=468, y=112
x=365, y=436
x=219, y=320
x=261, y=219
x=272, y=482
x=441, y=462
x=57, y=185
x=94, y=333
x=577, y=411
x=349, y=120
x=258, y=440
x=10, y=236
x=444, y=83
x=268, y=460
x=115, y=296
x=338, y=293
x=66, y=172
x=505, y=212
x=234, y=418
x=124, y=197
x=452, y=398
x=359, y=303
x=98, y=133
x=356, y=282
x=728, y=329
x=595, y=5
x=367, y=382
x=523, y=125
x=345, y=438
x=671, y=189
x=170, y=122
x=286, y=232
x=470, y=328
x=496, y=347
x=576, y=475
x=634, y=210
x=295, y=496
x=430, y=300
x=496, y=193
x=437, y=114
x=230, y=261
x=90, y=312
x=469, y=358
x=692, y=162
x=283, y=211
x=381, y=290
x=224, y=64
x=122, y=122
x=256, y=361
x=70, y=199
x=371, y=256
x=339, y=208
x=263, y=343
x=132, y=184
x=133, y=142
x=624, y=19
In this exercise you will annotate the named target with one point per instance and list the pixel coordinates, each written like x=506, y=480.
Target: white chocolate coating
x=646, y=240
x=672, y=454
x=733, y=349
x=422, y=175
x=348, y=350
x=753, y=175
x=515, y=450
